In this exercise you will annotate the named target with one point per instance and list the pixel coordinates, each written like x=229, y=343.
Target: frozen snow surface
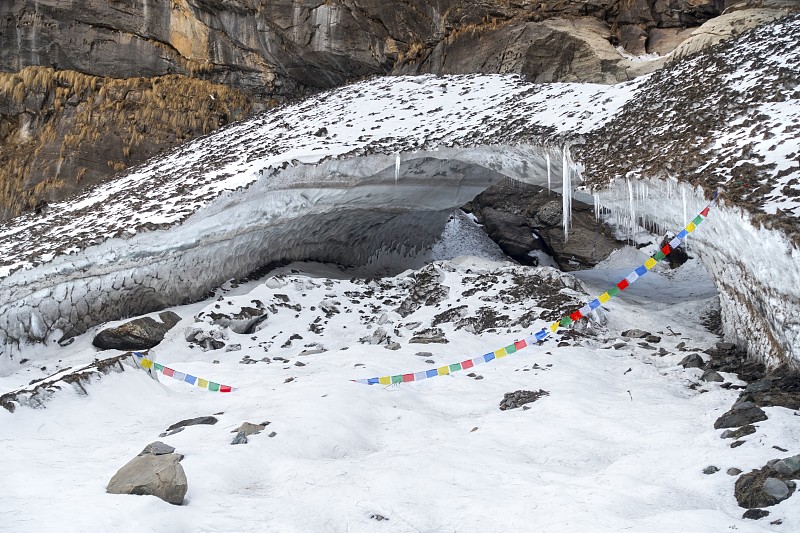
x=620, y=443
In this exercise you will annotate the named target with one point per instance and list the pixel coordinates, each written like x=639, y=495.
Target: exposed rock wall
x=62, y=131
x=66, y=130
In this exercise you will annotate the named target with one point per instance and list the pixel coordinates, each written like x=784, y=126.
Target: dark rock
x=711, y=375
x=740, y=417
x=776, y=488
x=733, y=471
x=636, y=333
x=619, y=345
x=749, y=429
x=788, y=467
x=692, y=360
x=726, y=346
x=208, y=420
x=157, y=448
x=429, y=336
x=760, y=488
x=248, y=429
x=522, y=218
x=157, y=475
x=512, y=400
x=737, y=443
x=677, y=256
x=710, y=470
x=655, y=339
x=755, y=514
x=240, y=438
x=138, y=334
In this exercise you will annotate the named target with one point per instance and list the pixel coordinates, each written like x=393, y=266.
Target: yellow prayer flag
x=691, y=227
x=603, y=298
x=202, y=383
x=147, y=363
x=443, y=370
x=554, y=326
x=650, y=263
x=500, y=353
x=385, y=380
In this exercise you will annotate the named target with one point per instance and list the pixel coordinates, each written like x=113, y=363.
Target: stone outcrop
x=522, y=218
x=138, y=334
x=155, y=475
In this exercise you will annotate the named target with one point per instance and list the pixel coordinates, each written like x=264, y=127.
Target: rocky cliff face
x=206, y=62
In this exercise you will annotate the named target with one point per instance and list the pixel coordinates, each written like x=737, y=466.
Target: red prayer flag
x=622, y=285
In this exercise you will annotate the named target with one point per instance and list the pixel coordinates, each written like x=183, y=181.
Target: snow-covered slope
x=619, y=443
x=320, y=180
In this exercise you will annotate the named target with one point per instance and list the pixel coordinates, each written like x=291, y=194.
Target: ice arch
x=347, y=211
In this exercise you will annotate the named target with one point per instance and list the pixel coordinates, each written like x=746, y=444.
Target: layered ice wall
x=756, y=270
x=345, y=211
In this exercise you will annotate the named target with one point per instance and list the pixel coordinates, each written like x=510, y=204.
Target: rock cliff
x=90, y=87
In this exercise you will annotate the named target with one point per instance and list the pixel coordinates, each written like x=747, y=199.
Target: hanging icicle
x=683, y=194
x=549, y=187
x=396, y=168
x=631, y=212
x=566, y=194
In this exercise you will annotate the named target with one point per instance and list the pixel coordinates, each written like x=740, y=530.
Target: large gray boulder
x=155, y=475
x=522, y=218
x=138, y=334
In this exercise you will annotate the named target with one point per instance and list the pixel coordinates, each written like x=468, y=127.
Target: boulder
x=157, y=448
x=740, y=417
x=522, y=218
x=692, y=360
x=755, y=514
x=156, y=475
x=712, y=375
x=635, y=334
x=178, y=426
x=137, y=334
x=245, y=430
x=743, y=431
x=512, y=400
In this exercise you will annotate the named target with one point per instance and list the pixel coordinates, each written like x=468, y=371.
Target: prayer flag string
x=187, y=378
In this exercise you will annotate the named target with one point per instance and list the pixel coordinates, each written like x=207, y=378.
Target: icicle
x=631, y=211
x=685, y=216
x=549, y=188
x=396, y=168
x=566, y=194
